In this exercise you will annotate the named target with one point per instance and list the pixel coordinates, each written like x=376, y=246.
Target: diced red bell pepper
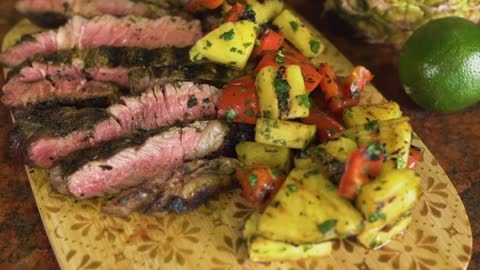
x=270, y=41
x=327, y=127
x=234, y=14
x=414, y=156
x=239, y=101
x=258, y=182
x=340, y=96
x=362, y=163
x=200, y=5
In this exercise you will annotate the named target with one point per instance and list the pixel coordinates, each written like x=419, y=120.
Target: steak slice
x=209, y=73
x=46, y=136
x=106, y=63
x=116, y=165
x=106, y=30
x=63, y=91
x=53, y=13
x=179, y=190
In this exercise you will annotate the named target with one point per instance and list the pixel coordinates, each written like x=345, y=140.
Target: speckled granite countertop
x=454, y=139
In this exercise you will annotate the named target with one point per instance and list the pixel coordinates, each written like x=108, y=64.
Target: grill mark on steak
x=42, y=137
x=106, y=30
x=209, y=73
x=135, y=159
x=179, y=190
x=53, y=13
x=79, y=63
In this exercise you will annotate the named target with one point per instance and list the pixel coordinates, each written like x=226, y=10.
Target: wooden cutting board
x=82, y=237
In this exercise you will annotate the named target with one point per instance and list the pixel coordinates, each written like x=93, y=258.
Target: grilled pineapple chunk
x=267, y=97
x=282, y=98
x=230, y=44
x=265, y=10
x=385, y=200
x=328, y=157
x=377, y=238
x=395, y=135
x=284, y=133
x=258, y=153
x=299, y=34
x=307, y=209
x=362, y=114
x=263, y=249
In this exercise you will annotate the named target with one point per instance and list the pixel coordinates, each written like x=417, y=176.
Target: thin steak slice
x=45, y=136
x=209, y=73
x=124, y=163
x=179, y=190
x=106, y=30
x=53, y=13
x=62, y=91
x=106, y=63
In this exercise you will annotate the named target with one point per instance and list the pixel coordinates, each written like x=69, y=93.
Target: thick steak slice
x=63, y=91
x=117, y=165
x=106, y=30
x=179, y=190
x=106, y=63
x=53, y=13
x=43, y=137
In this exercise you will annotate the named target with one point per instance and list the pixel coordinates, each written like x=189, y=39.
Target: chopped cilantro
x=229, y=35
x=282, y=89
x=314, y=46
x=280, y=59
x=230, y=115
x=276, y=173
x=303, y=100
x=209, y=44
x=252, y=179
x=327, y=226
x=250, y=112
x=247, y=44
x=374, y=150
x=372, y=126
x=376, y=216
x=292, y=187
x=233, y=49
x=294, y=26
x=192, y=101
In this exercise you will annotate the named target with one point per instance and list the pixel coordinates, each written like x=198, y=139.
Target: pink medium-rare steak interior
x=107, y=31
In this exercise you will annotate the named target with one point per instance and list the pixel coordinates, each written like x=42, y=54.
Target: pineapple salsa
x=322, y=167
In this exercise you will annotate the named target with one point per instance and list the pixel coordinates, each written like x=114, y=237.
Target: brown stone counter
x=454, y=139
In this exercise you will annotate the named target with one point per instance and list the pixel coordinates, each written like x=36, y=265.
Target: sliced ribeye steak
x=58, y=91
x=45, y=136
x=116, y=165
x=53, y=13
x=106, y=30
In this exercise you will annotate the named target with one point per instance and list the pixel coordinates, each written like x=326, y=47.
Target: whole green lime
x=439, y=65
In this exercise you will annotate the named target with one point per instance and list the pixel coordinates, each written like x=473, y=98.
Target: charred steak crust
x=179, y=190
x=55, y=122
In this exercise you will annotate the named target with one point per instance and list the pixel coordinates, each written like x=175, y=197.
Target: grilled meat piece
x=106, y=30
x=106, y=63
x=53, y=13
x=116, y=165
x=179, y=190
x=63, y=91
x=213, y=74
x=45, y=136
